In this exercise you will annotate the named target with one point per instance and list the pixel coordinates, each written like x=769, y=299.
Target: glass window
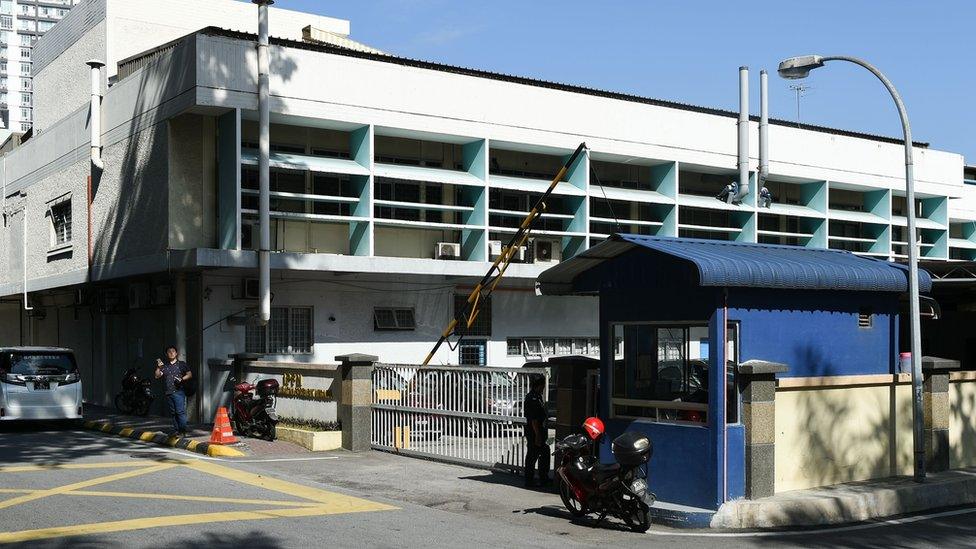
x=660, y=372
x=513, y=346
x=482, y=322
x=61, y=223
x=288, y=332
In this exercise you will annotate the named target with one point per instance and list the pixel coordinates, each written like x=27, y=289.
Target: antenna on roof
x=801, y=90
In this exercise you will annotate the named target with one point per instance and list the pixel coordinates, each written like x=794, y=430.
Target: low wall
x=307, y=391
x=962, y=419
x=841, y=429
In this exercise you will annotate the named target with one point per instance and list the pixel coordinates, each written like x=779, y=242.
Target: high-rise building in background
x=21, y=23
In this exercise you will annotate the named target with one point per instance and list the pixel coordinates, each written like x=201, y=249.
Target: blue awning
x=734, y=264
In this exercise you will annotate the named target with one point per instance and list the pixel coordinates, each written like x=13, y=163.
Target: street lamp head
x=795, y=68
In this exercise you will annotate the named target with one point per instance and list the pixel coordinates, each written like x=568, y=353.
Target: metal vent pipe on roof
x=763, y=130
x=743, y=134
x=264, y=160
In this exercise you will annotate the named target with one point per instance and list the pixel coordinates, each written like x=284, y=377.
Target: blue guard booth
x=666, y=305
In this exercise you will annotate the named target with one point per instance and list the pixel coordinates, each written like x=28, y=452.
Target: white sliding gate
x=461, y=414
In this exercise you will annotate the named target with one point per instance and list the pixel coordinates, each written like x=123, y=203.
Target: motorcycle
x=255, y=416
x=587, y=486
x=136, y=394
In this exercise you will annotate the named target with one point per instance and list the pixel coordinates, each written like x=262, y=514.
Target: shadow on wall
x=135, y=220
x=962, y=418
x=131, y=197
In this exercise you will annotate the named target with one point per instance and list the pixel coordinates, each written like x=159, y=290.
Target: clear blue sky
x=690, y=51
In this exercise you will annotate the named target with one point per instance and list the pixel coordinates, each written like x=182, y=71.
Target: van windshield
x=41, y=364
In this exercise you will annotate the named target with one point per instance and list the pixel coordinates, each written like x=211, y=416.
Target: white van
x=39, y=383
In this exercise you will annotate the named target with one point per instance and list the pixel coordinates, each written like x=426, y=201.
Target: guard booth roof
x=735, y=264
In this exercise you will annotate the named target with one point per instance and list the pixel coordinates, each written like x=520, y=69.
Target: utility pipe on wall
x=95, y=122
x=743, y=133
x=264, y=159
x=95, y=127
x=763, y=130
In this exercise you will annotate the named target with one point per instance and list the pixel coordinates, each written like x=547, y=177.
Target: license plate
x=42, y=385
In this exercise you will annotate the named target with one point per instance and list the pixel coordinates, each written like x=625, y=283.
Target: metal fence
x=461, y=414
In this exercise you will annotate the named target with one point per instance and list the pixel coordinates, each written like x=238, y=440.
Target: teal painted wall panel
x=229, y=180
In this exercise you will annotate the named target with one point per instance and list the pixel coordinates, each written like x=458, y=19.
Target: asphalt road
x=66, y=488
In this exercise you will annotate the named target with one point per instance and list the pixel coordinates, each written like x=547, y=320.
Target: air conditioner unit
x=139, y=296
x=546, y=251
x=494, y=248
x=519, y=255
x=162, y=295
x=249, y=288
x=447, y=250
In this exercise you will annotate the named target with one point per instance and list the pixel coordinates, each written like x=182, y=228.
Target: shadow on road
x=253, y=539
x=31, y=442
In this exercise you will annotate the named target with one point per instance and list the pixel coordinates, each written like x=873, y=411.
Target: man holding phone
x=174, y=373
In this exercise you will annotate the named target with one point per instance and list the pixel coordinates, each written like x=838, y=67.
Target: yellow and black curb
x=155, y=437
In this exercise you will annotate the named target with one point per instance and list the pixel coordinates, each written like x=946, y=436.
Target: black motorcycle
x=587, y=486
x=136, y=394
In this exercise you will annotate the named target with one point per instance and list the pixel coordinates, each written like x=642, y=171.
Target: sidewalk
x=154, y=428
x=851, y=502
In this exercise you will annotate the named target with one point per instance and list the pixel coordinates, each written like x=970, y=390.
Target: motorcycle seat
x=603, y=471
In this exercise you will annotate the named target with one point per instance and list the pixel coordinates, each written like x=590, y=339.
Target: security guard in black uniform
x=537, y=452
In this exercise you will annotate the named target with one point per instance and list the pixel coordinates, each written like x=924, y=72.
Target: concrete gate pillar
x=757, y=384
x=935, y=402
x=356, y=399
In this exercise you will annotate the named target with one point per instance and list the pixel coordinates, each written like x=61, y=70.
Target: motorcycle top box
x=632, y=448
x=268, y=387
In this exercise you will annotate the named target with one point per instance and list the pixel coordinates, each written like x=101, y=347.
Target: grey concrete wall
x=131, y=205
x=192, y=182
x=64, y=84
x=69, y=265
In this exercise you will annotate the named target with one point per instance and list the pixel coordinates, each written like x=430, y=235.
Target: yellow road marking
x=147, y=436
x=84, y=484
x=126, y=431
x=324, y=503
x=155, y=522
x=207, y=499
x=49, y=466
x=348, y=503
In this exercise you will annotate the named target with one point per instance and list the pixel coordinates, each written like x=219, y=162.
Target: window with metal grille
x=393, y=318
x=300, y=331
x=473, y=353
x=482, y=323
x=865, y=319
x=61, y=223
x=289, y=331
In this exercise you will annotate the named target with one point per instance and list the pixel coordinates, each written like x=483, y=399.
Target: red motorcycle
x=255, y=416
x=587, y=486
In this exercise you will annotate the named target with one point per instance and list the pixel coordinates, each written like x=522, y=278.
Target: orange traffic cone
x=222, y=432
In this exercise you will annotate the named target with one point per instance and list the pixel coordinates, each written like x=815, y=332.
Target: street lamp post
x=800, y=67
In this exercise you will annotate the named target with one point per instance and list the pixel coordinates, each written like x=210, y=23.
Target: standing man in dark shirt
x=537, y=452
x=174, y=372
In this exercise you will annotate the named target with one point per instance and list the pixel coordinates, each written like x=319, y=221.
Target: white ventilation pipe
x=23, y=250
x=743, y=134
x=95, y=122
x=763, y=129
x=264, y=159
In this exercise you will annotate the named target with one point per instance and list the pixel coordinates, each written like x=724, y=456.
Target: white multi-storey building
x=393, y=182
x=22, y=22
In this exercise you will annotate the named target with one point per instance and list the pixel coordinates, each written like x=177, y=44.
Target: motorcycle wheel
x=640, y=518
x=270, y=431
x=575, y=507
x=142, y=408
x=122, y=404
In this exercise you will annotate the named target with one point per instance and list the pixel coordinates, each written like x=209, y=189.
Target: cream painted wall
x=398, y=242
x=962, y=424
x=833, y=435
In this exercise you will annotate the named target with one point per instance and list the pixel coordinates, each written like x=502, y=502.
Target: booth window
x=660, y=372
